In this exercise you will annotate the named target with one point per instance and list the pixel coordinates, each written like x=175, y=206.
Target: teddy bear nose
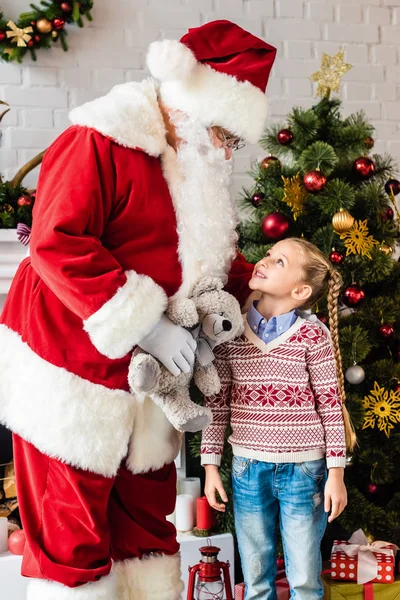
x=226, y=325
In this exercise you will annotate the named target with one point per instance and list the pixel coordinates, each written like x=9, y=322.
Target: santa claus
x=132, y=208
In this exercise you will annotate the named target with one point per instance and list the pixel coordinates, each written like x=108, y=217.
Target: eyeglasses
x=234, y=143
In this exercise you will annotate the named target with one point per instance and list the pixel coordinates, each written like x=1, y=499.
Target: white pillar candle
x=190, y=485
x=3, y=534
x=184, y=517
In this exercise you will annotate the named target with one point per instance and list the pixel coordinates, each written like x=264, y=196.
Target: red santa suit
x=95, y=469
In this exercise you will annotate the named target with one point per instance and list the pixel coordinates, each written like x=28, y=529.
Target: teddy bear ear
x=207, y=284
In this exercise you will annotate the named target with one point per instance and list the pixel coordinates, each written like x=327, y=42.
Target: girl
x=282, y=390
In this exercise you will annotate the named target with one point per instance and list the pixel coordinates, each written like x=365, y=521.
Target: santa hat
x=217, y=74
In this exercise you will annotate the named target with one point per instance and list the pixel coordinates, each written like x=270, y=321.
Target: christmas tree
x=322, y=182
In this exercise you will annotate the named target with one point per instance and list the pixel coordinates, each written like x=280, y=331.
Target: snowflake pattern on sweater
x=281, y=399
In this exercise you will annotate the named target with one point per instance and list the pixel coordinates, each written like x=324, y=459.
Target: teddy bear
x=213, y=317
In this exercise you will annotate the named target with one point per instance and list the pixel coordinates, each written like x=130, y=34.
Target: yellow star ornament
x=358, y=240
x=382, y=408
x=295, y=194
x=332, y=70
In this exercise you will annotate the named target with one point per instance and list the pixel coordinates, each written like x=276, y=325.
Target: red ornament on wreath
x=336, y=257
x=387, y=215
x=58, y=24
x=392, y=187
x=2, y=36
x=314, y=181
x=16, y=542
x=65, y=7
x=369, y=142
x=364, y=167
x=353, y=296
x=268, y=161
x=386, y=331
x=257, y=199
x=285, y=137
x=275, y=226
x=24, y=201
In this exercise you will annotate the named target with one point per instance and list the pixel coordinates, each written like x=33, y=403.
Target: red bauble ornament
x=386, y=331
x=268, y=161
x=285, y=137
x=392, y=186
x=67, y=8
x=58, y=24
x=396, y=387
x=275, y=226
x=314, y=181
x=257, y=199
x=387, y=215
x=372, y=488
x=31, y=43
x=336, y=257
x=353, y=296
x=364, y=167
x=322, y=318
x=369, y=142
x=24, y=201
x=2, y=36
x=16, y=542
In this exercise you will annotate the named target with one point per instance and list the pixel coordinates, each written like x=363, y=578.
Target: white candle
x=190, y=485
x=184, y=517
x=3, y=534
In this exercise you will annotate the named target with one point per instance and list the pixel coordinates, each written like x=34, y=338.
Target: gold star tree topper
x=332, y=70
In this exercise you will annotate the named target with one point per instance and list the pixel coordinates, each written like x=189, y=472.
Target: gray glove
x=172, y=345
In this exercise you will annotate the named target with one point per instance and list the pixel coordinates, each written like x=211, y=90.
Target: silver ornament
x=355, y=374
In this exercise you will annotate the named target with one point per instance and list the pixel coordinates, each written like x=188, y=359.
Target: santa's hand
x=172, y=345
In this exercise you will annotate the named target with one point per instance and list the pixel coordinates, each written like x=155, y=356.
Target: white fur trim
x=104, y=589
x=129, y=114
x=154, y=441
x=169, y=60
x=127, y=317
x=215, y=98
x=81, y=423
x=156, y=577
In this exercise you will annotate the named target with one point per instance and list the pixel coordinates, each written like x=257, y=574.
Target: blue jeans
x=293, y=494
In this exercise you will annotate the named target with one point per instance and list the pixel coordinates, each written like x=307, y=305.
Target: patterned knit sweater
x=281, y=399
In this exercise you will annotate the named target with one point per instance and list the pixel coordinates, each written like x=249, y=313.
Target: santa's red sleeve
x=75, y=199
x=238, y=279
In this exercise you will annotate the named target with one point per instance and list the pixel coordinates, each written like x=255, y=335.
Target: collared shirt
x=269, y=330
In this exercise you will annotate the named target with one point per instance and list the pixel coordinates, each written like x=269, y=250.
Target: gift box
x=357, y=560
x=342, y=590
x=282, y=588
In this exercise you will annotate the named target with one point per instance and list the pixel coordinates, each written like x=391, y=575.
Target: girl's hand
x=214, y=484
x=335, y=493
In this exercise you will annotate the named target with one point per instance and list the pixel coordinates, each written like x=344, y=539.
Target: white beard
x=198, y=177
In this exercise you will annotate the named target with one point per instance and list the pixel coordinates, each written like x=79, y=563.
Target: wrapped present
x=342, y=590
x=357, y=560
x=282, y=587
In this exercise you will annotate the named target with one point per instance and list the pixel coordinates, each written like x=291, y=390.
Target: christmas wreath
x=40, y=27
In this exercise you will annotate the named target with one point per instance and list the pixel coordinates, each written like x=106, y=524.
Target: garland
x=40, y=27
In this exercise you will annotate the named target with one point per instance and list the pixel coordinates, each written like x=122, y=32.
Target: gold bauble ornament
x=43, y=25
x=54, y=35
x=342, y=221
x=7, y=208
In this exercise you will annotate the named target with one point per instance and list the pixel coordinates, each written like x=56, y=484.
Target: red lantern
x=336, y=257
x=314, y=181
x=364, y=167
x=16, y=542
x=275, y=226
x=353, y=296
x=58, y=24
x=209, y=585
x=386, y=331
x=285, y=137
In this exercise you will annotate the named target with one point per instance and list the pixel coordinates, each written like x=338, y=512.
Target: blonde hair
x=325, y=280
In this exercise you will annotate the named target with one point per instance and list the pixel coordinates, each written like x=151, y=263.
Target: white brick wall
x=112, y=50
